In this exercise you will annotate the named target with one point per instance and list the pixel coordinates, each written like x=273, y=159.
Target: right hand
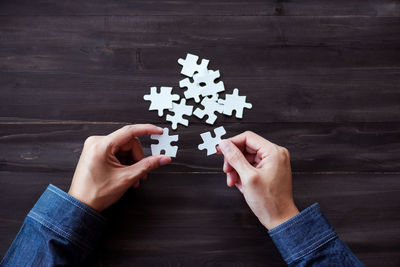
x=261, y=171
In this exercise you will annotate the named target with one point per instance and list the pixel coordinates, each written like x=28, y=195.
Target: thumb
x=145, y=166
x=235, y=158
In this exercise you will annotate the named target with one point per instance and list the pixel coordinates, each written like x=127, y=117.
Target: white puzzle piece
x=234, y=102
x=205, y=81
x=179, y=110
x=203, y=85
x=210, y=142
x=211, y=106
x=162, y=100
x=164, y=144
x=190, y=66
x=193, y=89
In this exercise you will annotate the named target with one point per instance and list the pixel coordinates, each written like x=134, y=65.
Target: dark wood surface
x=323, y=77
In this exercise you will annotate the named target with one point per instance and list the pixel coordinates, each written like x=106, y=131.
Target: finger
x=137, y=153
x=134, y=150
x=250, y=157
x=130, y=153
x=137, y=150
x=252, y=143
x=229, y=181
x=232, y=178
x=125, y=134
x=227, y=167
x=240, y=187
x=145, y=166
x=235, y=176
x=235, y=158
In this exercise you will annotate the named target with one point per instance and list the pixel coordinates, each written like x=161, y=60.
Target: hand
x=261, y=171
x=111, y=164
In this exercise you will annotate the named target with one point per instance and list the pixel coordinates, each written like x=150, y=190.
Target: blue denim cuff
x=68, y=217
x=302, y=234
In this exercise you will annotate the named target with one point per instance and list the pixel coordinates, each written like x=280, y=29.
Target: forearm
x=309, y=240
x=59, y=230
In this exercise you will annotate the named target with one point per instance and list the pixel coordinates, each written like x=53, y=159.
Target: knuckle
x=89, y=141
x=92, y=142
x=252, y=178
x=283, y=153
x=249, y=133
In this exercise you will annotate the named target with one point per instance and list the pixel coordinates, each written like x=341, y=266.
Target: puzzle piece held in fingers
x=164, y=144
x=209, y=142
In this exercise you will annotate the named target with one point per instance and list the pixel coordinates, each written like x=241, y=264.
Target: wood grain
x=191, y=31
x=315, y=147
x=323, y=78
x=319, y=68
x=204, y=8
x=182, y=219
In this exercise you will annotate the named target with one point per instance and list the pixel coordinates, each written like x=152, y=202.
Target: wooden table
x=323, y=77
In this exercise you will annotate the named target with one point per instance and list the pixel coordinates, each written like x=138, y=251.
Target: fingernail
x=165, y=160
x=224, y=145
x=160, y=129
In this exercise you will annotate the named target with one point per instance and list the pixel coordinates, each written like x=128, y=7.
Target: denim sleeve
x=308, y=239
x=58, y=231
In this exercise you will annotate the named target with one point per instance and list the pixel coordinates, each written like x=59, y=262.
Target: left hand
x=110, y=164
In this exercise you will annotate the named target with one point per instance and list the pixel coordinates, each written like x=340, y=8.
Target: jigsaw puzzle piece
x=205, y=81
x=234, y=102
x=161, y=100
x=211, y=106
x=209, y=142
x=164, y=144
x=190, y=66
x=193, y=89
x=179, y=110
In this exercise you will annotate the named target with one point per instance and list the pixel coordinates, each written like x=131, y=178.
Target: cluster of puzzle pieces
x=201, y=86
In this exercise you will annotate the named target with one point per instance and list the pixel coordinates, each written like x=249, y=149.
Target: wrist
x=281, y=216
x=84, y=199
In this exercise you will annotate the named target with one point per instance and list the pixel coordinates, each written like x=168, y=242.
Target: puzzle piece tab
x=162, y=100
x=164, y=144
x=209, y=142
x=179, y=110
x=234, y=102
x=211, y=106
x=190, y=66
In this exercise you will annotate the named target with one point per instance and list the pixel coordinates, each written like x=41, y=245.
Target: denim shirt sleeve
x=59, y=230
x=308, y=239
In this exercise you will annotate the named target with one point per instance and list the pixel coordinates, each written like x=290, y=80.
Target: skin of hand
x=110, y=165
x=261, y=171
